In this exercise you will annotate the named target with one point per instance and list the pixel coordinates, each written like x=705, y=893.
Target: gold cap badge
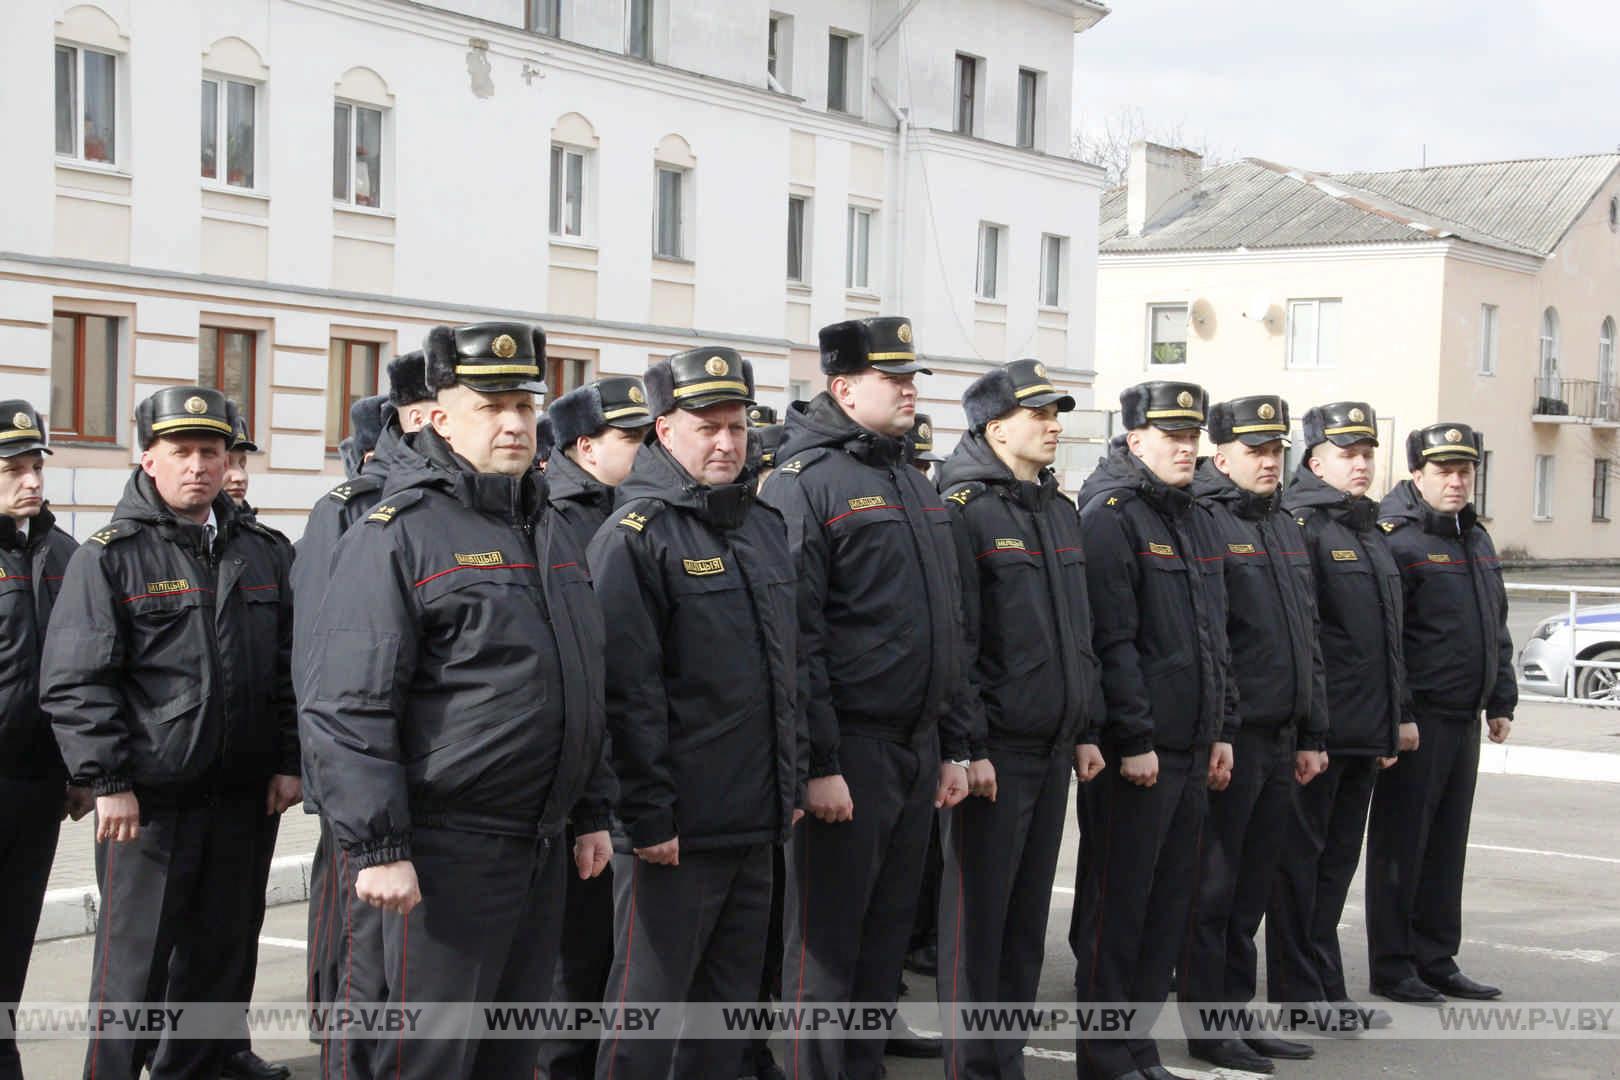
x=636, y=396
x=1040, y=369
x=196, y=405
x=904, y=333
x=1453, y=435
x=1266, y=412
x=1357, y=416
x=22, y=420
x=1184, y=399
x=504, y=347
x=716, y=365
x=925, y=432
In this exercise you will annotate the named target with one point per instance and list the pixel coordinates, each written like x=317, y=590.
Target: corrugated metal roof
x=1519, y=206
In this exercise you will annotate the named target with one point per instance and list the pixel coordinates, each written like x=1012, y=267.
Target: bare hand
x=953, y=786
x=77, y=802
x=1501, y=727
x=1088, y=761
x=666, y=854
x=1309, y=764
x=1386, y=762
x=1220, y=766
x=828, y=798
x=592, y=852
x=1408, y=740
x=981, y=779
x=285, y=792
x=390, y=886
x=118, y=817
x=798, y=816
x=1140, y=769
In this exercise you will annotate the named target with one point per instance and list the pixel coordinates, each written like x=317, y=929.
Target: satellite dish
x=1203, y=318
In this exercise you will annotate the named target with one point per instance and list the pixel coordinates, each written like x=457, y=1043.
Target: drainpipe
x=903, y=117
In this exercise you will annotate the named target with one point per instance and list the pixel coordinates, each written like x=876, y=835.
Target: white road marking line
x=1579, y=956
x=284, y=942
x=1538, y=851
x=1549, y=763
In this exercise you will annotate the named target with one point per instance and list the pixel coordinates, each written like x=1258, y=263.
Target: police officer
x=1273, y=629
x=454, y=704
x=545, y=443
x=697, y=592
x=167, y=677
x=760, y=416
x=880, y=634
x=1158, y=609
x=1459, y=664
x=1030, y=696
x=1358, y=594
x=599, y=428
x=34, y=794
x=921, y=441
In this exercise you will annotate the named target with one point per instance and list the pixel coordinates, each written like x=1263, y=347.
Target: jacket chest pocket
x=473, y=608
x=861, y=523
x=15, y=596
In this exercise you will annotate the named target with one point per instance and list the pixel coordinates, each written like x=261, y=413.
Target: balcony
x=1576, y=401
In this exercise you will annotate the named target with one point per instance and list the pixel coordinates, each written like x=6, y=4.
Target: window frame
x=348, y=200
x=559, y=368
x=222, y=154
x=1153, y=310
x=779, y=50
x=76, y=433
x=968, y=71
x=1490, y=338
x=998, y=271
x=1315, y=303
x=646, y=9
x=375, y=351
x=1482, y=484
x=842, y=83
x=76, y=105
x=803, y=238
x=1054, y=299
x=251, y=381
x=1606, y=369
x=533, y=17
x=867, y=217
x=1601, y=468
x=1541, y=487
x=682, y=197
x=1032, y=79
x=557, y=195
x=1548, y=361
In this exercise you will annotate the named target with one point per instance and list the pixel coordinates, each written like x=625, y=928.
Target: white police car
x=1546, y=658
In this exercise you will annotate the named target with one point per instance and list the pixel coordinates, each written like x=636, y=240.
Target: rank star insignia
x=792, y=467
x=634, y=521
x=196, y=405
x=102, y=537
x=504, y=347
x=1387, y=526
x=716, y=365
x=383, y=513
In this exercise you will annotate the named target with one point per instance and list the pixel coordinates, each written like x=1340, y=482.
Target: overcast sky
x=1326, y=85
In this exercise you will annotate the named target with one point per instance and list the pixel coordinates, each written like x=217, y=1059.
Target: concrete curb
x=75, y=911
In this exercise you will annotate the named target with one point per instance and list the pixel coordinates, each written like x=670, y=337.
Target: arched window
x=573, y=153
x=674, y=168
x=1606, y=403
x=1549, y=354
x=361, y=119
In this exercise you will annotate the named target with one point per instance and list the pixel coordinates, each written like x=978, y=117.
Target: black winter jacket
x=456, y=673
x=1271, y=618
x=579, y=502
x=1030, y=677
x=1358, y=597
x=31, y=572
x=1158, y=610
x=1459, y=655
x=698, y=594
x=168, y=666
x=880, y=625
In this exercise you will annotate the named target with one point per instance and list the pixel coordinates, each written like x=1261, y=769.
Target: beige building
x=1483, y=293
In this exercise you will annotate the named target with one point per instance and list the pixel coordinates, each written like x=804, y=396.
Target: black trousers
x=925, y=924
x=1138, y=866
x=852, y=895
x=358, y=969
x=176, y=911
x=995, y=895
x=582, y=967
x=269, y=826
x=486, y=931
x=32, y=812
x=1303, y=962
x=325, y=921
x=1243, y=840
x=1417, y=844
x=770, y=978
x=693, y=932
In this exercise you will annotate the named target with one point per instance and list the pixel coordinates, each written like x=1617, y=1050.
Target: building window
x=567, y=191
x=84, y=376
x=1482, y=485
x=838, y=72
x=1167, y=334
x=86, y=104
x=798, y=390
x=669, y=240
x=797, y=215
x=1548, y=371
x=1314, y=331
x=543, y=17
x=1052, y=251
x=779, y=52
x=858, y=264
x=564, y=373
x=229, y=121
x=1543, y=494
x=226, y=361
x=992, y=249
x=351, y=374
x=1600, y=489
x=1488, y=323
x=638, y=32
x=1606, y=409
x=357, y=149
x=1029, y=88
x=967, y=93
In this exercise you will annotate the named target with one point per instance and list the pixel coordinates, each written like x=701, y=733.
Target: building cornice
x=87, y=273
x=1461, y=250
x=950, y=144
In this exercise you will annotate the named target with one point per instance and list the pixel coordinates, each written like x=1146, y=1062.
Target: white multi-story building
x=277, y=196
